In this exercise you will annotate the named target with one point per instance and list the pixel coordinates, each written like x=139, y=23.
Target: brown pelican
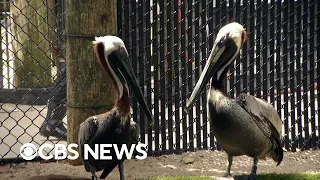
x=114, y=126
x=245, y=126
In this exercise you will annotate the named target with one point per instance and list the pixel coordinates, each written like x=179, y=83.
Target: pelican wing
x=87, y=130
x=265, y=114
x=267, y=119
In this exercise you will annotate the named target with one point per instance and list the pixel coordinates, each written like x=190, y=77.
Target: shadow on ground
x=288, y=176
x=57, y=177
x=241, y=177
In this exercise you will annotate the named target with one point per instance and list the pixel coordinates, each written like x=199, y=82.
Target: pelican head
x=226, y=47
x=114, y=59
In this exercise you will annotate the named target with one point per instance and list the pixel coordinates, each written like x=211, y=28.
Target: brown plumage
x=114, y=126
x=245, y=126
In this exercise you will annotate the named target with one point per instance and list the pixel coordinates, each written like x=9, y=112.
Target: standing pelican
x=114, y=126
x=246, y=126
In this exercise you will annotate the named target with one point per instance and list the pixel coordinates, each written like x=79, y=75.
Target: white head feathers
x=110, y=44
x=235, y=31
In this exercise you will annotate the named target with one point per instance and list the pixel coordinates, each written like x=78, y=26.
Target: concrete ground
x=19, y=125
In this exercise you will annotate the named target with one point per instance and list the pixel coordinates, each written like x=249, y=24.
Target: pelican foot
x=94, y=177
x=227, y=175
x=252, y=176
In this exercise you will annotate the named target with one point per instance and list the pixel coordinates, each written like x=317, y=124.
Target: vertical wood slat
x=232, y=72
x=292, y=76
x=120, y=18
x=141, y=62
x=148, y=70
x=258, y=49
x=265, y=51
x=251, y=35
x=312, y=73
x=299, y=72
x=190, y=70
x=125, y=24
x=169, y=73
x=184, y=69
x=278, y=51
x=133, y=51
x=197, y=134
x=272, y=43
x=305, y=73
x=244, y=54
x=215, y=31
x=237, y=62
x=203, y=46
x=162, y=78
x=223, y=13
x=176, y=61
x=318, y=69
x=211, y=37
x=155, y=62
x=284, y=41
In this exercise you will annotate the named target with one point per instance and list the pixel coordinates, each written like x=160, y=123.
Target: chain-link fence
x=168, y=43
x=32, y=75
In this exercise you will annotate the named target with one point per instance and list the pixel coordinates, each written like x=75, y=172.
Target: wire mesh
x=168, y=43
x=32, y=75
x=278, y=63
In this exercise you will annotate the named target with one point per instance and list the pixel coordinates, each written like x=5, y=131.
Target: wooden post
x=88, y=88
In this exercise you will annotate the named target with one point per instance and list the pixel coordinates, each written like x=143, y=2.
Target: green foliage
x=293, y=176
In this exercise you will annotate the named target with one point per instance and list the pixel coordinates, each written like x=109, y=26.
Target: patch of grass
x=179, y=178
x=293, y=176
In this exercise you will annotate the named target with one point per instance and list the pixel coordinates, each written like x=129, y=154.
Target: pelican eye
x=224, y=37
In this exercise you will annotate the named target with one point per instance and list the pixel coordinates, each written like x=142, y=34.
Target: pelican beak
x=224, y=49
x=128, y=73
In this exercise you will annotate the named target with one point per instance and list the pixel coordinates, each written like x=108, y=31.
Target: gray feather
x=247, y=126
x=264, y=113
x=87, y=130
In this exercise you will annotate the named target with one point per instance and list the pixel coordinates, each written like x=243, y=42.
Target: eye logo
x=28, y=151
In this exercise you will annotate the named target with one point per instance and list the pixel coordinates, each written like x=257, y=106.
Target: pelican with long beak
x=114, y=126
x=245, y=126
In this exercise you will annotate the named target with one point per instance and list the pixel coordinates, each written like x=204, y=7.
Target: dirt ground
x=206, y=163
